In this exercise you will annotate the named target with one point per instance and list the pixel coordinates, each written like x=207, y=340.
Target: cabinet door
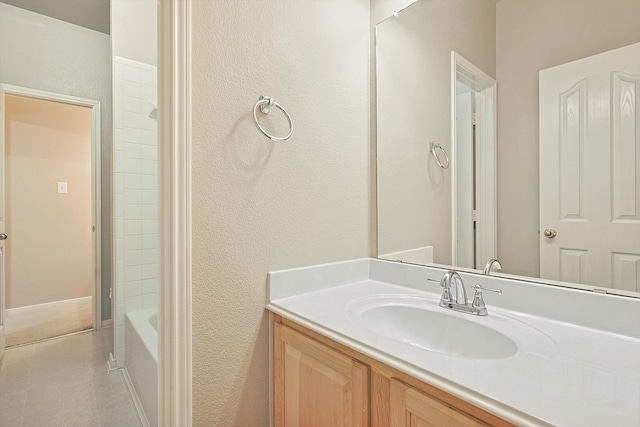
x=316, y=386
x=412, y=408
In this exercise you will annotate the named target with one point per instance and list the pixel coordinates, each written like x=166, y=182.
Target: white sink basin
x=418, y=323
x=439, y=331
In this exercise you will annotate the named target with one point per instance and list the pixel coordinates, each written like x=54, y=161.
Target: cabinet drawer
x=410, y=407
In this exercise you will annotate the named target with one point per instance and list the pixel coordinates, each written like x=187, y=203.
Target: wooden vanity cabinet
x=409, y=407
x=321, y=383
x=316, y=385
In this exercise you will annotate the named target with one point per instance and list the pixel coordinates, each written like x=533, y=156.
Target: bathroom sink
x=432, y=328
x=438, y=331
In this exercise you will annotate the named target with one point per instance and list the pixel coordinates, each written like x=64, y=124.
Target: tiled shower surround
x=135, y=193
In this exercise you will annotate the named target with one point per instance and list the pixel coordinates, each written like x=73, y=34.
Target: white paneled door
x=590, y=170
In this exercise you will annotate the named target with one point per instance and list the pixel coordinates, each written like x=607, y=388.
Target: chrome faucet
x=492, y=265
x=449, y=278
x=476, y=307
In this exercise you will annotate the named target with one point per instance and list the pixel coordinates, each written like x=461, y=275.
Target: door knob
x=550, y=233
x=3, y=236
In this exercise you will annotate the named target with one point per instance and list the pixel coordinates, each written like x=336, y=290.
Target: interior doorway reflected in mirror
x=473, y=135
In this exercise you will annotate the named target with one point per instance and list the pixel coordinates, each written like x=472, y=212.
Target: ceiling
x=92, y=14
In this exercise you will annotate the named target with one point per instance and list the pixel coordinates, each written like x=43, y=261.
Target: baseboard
x=112, y=363
x=107, y=323
x=39, y=322
x=136, y=399
x=37, y=307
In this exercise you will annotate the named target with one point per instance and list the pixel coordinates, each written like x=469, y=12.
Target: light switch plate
x=62, y=188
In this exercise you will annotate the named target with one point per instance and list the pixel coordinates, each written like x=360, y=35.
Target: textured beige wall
x=260, y=205
x=413, y=65
x=49, y=246
x=532, y=35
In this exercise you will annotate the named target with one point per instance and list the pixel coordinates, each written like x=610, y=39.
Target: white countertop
x=565, y=373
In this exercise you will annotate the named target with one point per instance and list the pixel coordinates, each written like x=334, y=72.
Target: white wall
x=414, y=107
x=134, y=30
x=532, y=35
x=135, y=187
x=43, y=53
x=260, y=205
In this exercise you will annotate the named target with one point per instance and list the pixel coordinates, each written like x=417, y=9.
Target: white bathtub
x=141, y=360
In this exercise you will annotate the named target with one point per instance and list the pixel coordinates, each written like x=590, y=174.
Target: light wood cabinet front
x=410, y=407
x=316, y=386
x=319, y=382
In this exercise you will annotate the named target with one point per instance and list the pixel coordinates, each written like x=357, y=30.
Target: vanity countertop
x=578, y=358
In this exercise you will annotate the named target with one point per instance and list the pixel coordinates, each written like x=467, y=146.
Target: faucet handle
x=443, y=282
x=480, y=288
x=446, y=298
x=478, y=302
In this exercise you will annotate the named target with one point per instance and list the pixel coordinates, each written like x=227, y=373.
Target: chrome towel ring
x=265, y=103
x=432, y=148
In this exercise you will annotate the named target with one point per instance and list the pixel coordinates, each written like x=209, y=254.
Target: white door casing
x=174, y=132
x=486, y=241
x=590, y=170
x=465, y=233
x=94, y=105
x=2, y=224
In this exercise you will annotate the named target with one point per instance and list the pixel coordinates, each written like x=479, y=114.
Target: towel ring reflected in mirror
x=432, y=147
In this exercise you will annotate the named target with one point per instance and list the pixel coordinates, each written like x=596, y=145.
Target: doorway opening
x=50, y=214
x=473, y=164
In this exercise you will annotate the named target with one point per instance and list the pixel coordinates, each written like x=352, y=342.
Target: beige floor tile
x=64, y=382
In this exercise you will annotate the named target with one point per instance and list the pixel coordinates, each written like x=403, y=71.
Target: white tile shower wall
x=135, y=192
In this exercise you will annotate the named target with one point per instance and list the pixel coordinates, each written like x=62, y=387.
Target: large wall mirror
x=541, y=169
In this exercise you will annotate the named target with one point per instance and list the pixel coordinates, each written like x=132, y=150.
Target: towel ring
x=265, y=103
x=432, y=148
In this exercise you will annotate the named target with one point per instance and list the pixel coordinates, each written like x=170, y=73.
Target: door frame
x=485, y=158
x=174, y=167
x=96, y=193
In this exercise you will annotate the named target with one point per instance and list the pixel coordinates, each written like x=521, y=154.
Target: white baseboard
x=136, y=399
x=39, y=322
x=112, y=363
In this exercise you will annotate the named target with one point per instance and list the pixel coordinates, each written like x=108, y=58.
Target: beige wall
x=414, y=107
x=532, y=35
x=379, y=10
x=260, y=205
x=49, y=250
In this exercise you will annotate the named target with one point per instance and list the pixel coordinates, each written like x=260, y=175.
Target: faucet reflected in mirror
x=419, y=202
x=492, y=265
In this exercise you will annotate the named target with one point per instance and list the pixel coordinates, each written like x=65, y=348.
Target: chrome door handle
x=550, y=233
x=3, y=236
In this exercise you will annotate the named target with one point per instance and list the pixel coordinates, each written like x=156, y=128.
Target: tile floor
x=64, y=382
